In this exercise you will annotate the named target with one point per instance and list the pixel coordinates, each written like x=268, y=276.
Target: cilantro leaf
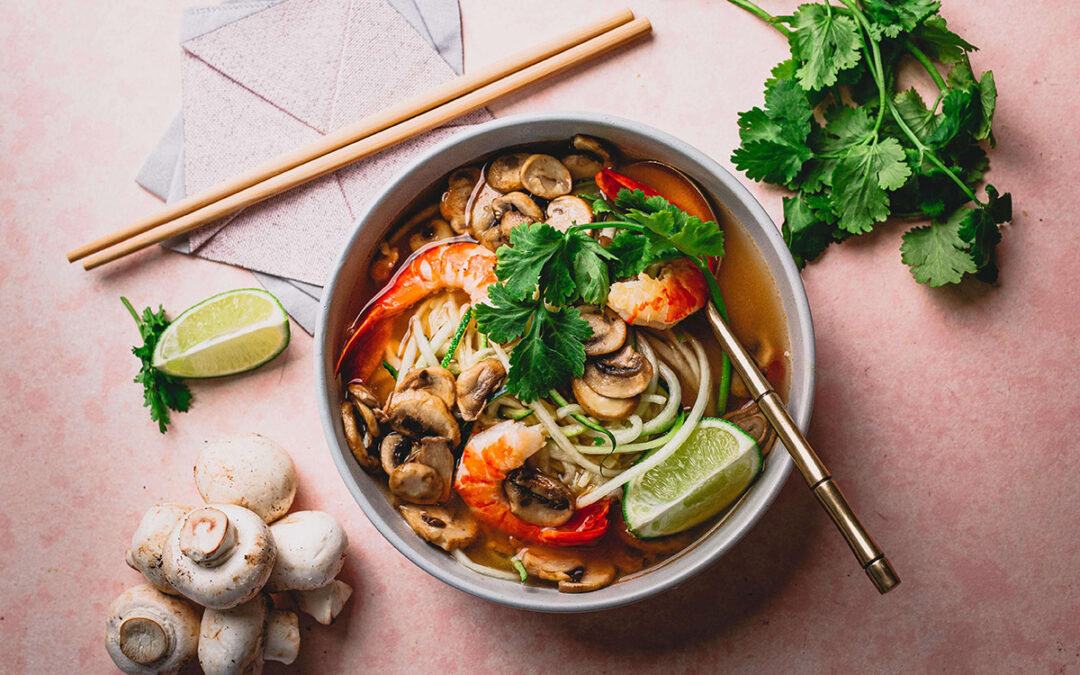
x=774, y=139
x=503, y=318
x=671, y=226
x=521, y=264
x=806, y=234
x=549, y=353
x=861, y=180
x=936, y=253
x=826, y=42
x=896, y=16
x=161, y=392
x=941, y=44
x=590, y=268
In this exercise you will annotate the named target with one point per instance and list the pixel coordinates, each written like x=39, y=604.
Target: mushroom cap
x=428, y=475
x=516, y=202
x=546, y=177
x=575, y=572
x=394, y=451
x=455, y=200
x=504, y=174
x=608, y=332
x=593, y=146
x=230, y=576
x=582, y=166
x=231, y=640
x=481, y=216
x=448, y=526
x=248, y=470
x=624, y=374
x=149, y=632
x=435, y=380
x=475, y=384
x=360, y=432
x=599, y=406
x=417, y=414
x=311, y=550
x=148, y=542
x=538, y=498
x=568, y=210
x=435, y=229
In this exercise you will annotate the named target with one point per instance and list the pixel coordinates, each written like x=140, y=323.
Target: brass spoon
x=870, y=557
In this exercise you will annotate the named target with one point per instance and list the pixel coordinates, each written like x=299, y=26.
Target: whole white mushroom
x=219, y=556
x=238, y=640
x=248, y=470
x=311, y=550
x=148, y=542
x=150, y=632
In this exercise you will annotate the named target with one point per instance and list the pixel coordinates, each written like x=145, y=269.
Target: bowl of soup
x=510, y=486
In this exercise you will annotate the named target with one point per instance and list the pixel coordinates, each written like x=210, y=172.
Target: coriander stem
x=922, y=58
x=134, y=314
x=876, y=68
x=930, y=154
x=762, y=14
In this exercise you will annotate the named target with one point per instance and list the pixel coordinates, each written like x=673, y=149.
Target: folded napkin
x=260, y=78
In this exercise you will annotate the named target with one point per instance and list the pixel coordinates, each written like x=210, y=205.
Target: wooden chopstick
x=360, y=129
x=333, y=161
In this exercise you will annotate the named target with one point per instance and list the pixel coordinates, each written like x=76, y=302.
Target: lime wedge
x=708, y=472
x=227, y=334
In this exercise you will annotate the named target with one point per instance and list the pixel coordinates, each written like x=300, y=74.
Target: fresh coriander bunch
x=837, y=131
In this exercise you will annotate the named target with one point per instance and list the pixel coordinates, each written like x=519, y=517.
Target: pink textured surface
x=950, y=416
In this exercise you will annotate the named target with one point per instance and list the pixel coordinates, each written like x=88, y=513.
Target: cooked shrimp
x=662, y=301
x=465, y=266
x=487, y=459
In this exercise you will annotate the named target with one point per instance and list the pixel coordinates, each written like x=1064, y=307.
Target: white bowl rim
x=706, y=551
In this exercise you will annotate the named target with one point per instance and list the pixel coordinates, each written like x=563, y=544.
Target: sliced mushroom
x=750, y=419
x=496, y=237
x=361, y=393
x=504, y=174
x=592, y=146
x=418, y=414
x=562, y=212
x=475, y=384
x=546, y=177
x=434, y=380
x=361, y=434
x=449, y=527
x=573, y=572
x=428, y=475
x=455, y=200
x=516, y=208
x=538, y=498
x=481, y=216
x=608, y=332
x=602, y=407
x=624, y=374
x=382, y=266
x=582, y=167
x=394, y=451
x=434, y=230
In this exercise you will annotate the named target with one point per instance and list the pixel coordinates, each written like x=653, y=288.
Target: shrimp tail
x=364, y=352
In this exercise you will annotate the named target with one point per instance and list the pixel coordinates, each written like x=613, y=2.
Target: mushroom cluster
x=615, y=373
x=228, y=556
x=487, y=203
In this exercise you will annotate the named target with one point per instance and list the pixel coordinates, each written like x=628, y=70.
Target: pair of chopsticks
x=368, y=136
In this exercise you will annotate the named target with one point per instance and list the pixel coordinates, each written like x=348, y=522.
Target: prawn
x=662, y=300
x=487, y=459
x=463, y=265
x=677, y=291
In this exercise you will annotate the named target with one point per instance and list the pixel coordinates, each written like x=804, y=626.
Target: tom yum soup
x=532, y=376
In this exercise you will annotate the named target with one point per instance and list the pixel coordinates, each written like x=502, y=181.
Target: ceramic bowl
x=339, y=307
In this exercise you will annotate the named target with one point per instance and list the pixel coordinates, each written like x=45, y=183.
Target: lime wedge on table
x=708, y=472
x=224, y=335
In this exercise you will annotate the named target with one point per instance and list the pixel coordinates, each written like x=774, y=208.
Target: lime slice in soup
x=227, y=334
x=708, y=472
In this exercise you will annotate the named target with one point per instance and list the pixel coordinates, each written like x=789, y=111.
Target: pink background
x=950, y=416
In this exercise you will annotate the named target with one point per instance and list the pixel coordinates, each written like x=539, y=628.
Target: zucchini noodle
x=465, y=561
x=701, y=400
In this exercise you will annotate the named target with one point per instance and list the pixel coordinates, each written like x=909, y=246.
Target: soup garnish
x=545, y=357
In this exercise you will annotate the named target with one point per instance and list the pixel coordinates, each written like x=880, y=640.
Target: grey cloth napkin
x=163, y=174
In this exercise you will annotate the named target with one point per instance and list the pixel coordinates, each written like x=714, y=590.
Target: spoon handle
x=869, y=555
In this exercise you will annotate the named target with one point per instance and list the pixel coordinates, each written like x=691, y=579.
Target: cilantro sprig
x=544, y=272
x=161, y=392
x=835, y=130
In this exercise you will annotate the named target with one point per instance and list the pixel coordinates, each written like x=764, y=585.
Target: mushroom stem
x=207, y=537
x=281, y=641
x=143, y=640
x=324, y=604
